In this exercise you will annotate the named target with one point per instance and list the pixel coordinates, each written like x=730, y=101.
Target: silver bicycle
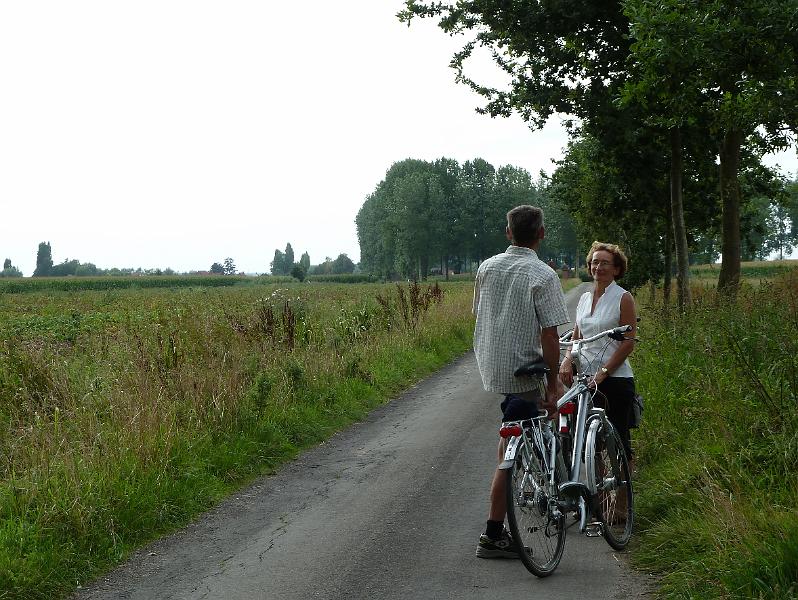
x=580, y=469
x=593, y=447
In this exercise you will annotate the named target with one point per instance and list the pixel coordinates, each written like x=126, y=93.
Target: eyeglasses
x=601, y=263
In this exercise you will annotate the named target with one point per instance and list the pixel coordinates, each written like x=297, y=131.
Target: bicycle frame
x=588, y=420
x=518, y=441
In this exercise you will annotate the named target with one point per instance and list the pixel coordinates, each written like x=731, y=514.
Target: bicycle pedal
x=593, y=530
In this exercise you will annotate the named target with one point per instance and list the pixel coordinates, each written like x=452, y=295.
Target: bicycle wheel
x=536, y=523
x=612, y=479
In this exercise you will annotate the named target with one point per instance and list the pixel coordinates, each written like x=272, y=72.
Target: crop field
x=750, y=271
x=126, y=411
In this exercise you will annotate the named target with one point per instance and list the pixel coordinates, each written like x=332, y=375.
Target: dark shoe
x=504, y=547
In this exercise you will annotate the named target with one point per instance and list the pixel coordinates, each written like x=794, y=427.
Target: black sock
x=494, y=529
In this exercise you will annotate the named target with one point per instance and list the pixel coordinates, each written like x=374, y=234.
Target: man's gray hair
x=525, y=222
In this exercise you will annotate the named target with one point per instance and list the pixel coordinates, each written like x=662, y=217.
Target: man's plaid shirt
x=515, y=295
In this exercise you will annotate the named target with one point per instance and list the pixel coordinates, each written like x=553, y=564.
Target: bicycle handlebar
x=615, y=333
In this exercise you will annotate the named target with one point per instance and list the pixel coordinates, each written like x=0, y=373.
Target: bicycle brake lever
x=621, y=337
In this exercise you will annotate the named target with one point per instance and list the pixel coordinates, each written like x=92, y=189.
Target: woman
x=607, y=305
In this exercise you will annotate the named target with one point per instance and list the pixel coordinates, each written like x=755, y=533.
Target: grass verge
x=718, y=489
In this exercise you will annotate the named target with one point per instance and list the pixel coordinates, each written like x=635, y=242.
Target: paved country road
x=390, y=508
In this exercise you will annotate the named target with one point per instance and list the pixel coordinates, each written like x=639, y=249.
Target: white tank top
x=606, y=315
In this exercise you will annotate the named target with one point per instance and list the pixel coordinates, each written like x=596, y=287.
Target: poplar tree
x=44, y=260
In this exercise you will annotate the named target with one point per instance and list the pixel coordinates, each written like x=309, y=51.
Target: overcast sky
x=177, y=133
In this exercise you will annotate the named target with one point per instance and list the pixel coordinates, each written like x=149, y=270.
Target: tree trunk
x=668, y=253
x=679, y=232
x=729, y=279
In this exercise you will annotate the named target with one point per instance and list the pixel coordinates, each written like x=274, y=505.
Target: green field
x=127, y=411
x=749, y=271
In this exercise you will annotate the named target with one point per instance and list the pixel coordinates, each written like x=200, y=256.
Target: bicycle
x=606, y=493
x=534, y=514
x=545, y=483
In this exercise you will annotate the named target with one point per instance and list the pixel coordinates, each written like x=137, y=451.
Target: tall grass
x=123, y=413
x=718, y=489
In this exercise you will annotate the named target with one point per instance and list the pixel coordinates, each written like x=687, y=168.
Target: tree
x=764, y=215
x=416, y=195
x=304, y=262
x=477, y=192
x=779, y=231
x=388, y=225
x=44, y=260
x=229, y=267
x=779, y=240
x=791, y=205
x=278, y=264
x=561, y=243
x=423, y=214
x=596, y=188
x=217, y=269
x=561, y=57
x=66, y=268
x=343, y=264
x=87, y=270
x=298, y=272
x=289, y=259
x=324, y=268
x=736, y=64
x=10, y=270
x=723, y=68
x=448, y=225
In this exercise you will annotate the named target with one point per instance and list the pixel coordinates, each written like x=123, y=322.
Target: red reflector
x=568, y=408
x=564, y=429
x=510, y=431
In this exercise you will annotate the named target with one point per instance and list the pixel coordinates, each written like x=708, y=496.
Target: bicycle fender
x=509, y=454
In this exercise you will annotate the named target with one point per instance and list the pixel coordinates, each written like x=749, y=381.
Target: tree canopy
x=441, y=216
x=689, y=83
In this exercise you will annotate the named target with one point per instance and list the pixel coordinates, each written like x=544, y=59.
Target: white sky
x=177, y=133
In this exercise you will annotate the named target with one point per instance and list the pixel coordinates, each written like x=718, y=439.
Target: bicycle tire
x=538, y=531
x=615, y=493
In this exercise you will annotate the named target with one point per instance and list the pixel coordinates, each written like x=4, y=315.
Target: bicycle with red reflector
x=534, y=506
x=580, y=468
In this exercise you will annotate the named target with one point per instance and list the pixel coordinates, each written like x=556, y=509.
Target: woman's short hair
x=619, y=257
x=524, y=223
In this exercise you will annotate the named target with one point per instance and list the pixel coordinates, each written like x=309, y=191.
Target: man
x=518, y=302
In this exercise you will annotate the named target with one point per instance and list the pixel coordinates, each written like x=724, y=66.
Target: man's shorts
x=523, y=405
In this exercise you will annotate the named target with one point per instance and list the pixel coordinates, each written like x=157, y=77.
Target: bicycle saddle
x=534, y=369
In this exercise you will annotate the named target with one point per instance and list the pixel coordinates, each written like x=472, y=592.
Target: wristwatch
x=605, y=370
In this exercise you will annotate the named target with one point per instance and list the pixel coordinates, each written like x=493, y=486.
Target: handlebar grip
x=617, y=333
